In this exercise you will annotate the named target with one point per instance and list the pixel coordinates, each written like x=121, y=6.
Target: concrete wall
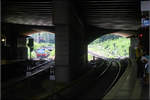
x=15, y=47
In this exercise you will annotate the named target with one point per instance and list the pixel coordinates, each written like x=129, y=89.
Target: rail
x=111, y=95
x=116, y=78
x=37, y=66
x=57, y=92
x=101, y=74
x=23, y=78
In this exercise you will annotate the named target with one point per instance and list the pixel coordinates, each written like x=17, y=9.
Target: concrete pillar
x=133, y=45
x=70, y=47
x=62, y=53
x=22, y=48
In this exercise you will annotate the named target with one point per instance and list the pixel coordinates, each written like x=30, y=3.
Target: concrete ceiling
x=28, y=13
x=111, y=14
x=107, y=14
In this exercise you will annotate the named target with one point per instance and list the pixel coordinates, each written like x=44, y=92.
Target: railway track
x=32, y=71
x=92, y=87
x=29, y=83
x=102, y=84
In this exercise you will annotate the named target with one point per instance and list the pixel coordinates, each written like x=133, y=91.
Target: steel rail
x=23, y=78
x=57, y=93
x=116, y=78
x=106, y=69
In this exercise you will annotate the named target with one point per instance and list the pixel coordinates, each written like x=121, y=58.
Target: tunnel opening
x=109, y=46
x=43, y=47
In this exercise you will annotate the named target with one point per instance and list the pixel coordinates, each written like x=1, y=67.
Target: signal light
x=140, y=35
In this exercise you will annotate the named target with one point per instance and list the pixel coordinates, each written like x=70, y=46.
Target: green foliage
x=33, y=54
x=90, y=57
x=53, y=53
x=111, y=46
x=40, y=45
x=36, y=45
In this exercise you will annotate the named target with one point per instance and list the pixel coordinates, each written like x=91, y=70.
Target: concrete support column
x=62, y=53
x=133, y=45
x=21, y=48
x=70, y=48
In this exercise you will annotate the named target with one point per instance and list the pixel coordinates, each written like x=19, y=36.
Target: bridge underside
x=75, y=25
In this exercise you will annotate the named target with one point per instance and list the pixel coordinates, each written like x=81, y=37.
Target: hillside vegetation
x=110, y=46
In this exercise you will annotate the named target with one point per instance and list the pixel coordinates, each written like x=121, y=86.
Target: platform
x=129, y=87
